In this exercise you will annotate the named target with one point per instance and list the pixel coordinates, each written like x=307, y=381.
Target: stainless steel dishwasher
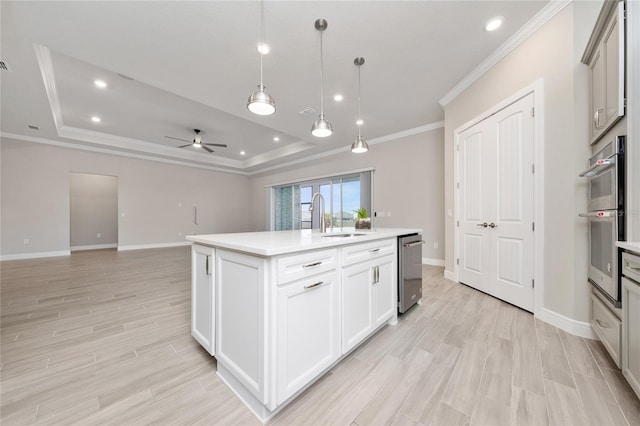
x=409, y=271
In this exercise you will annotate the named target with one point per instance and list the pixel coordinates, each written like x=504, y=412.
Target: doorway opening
x=93, y=211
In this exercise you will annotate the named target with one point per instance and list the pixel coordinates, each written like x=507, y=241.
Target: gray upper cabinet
x=605, y=57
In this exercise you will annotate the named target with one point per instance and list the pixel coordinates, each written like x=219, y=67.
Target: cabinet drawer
x=631, y=266
x=607, y=327
x=366, y=251
x=299, y=266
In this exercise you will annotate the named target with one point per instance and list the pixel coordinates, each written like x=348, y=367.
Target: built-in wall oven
x=606, y=217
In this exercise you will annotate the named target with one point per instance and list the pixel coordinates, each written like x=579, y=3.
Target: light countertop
x=282, y=242
x=629, y=245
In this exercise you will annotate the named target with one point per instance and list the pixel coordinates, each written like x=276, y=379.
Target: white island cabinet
x=284, y=307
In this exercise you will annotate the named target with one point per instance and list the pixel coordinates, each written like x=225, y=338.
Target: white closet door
x=512, y=210
x=496, y=188
x=474, y=206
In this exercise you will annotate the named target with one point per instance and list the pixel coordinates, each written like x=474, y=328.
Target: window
x=342, y=196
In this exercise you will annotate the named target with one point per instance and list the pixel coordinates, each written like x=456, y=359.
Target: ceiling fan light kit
x=260, y=102
x=321, y=128
x=359, y=146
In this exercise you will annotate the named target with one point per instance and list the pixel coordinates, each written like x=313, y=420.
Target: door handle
x=484, y=225
x=493, y=225
x=208, y=268
x=413, y=244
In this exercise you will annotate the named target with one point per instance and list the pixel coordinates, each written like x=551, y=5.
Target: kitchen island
x=279, y=309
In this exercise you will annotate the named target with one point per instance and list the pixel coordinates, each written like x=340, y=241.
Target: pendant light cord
x=261, y=38
x=321, y=78
x=359, y=111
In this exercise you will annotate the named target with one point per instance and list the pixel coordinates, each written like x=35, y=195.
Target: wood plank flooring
x=103, y=337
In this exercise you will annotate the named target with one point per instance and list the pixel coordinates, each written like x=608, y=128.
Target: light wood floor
x=103, y=338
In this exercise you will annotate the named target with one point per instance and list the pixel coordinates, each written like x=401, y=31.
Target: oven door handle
x=597, y=214
x=600, y=166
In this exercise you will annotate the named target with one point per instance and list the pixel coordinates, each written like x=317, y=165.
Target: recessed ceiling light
x=100, y=84
x=359, y=122
x=276, y=139
x=338, y=97
x=96, y=119
x=242, y=153
x=494, y=23
x=263, y=48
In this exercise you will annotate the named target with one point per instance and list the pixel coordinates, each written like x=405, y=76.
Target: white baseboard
x=434, y=262
x=450, y=276
x=152, y=246
x=577, y=328
x=38, y=255
x=94, y=247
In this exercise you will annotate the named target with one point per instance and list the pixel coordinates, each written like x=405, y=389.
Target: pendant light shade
x=360, y=145
x=321, y=128
x=260, y=102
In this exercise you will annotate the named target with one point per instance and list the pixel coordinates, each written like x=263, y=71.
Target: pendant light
x=260, y=102
x=321, y=128
x=360, y=145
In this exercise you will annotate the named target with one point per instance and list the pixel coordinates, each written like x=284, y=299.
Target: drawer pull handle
x=602, y=324
x=310, y=286
x=374, y=250
x=311, y=265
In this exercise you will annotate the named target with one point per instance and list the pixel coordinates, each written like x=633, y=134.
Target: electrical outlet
x=179, y=234
x=435, y=245
x=179, y=204
x=381, y=214
x=25, y=241
x=388, y=214
x=121, y=214
x=99, y=235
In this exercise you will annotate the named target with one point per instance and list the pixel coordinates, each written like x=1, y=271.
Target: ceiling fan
x=197, y=142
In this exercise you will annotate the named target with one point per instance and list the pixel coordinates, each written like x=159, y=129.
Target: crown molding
x=122, y=143
x=542, y=17
x=108, y=151
x=390, y=137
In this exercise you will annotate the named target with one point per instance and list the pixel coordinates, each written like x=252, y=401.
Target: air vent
x=4, y=66
x=32, y=127
x=307, y=111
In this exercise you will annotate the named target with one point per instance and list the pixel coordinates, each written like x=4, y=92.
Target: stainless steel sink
x=343, y=235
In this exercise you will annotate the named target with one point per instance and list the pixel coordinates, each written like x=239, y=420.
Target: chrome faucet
x=323, y=224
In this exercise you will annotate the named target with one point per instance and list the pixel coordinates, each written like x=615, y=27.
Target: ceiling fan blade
x=178, y=139
x=216, y=144
x=207, y=149
x=184, y=146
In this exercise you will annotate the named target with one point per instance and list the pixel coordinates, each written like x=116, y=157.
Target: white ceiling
x=194, y=64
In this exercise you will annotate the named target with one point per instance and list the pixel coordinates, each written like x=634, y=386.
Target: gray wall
x=35, y=198
x=408, y=182
x=552, y=53
x=93, y=209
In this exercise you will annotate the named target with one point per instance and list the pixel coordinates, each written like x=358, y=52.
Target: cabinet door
x=631, y=333
x=613, y=48
x=384, y=290
x=202, y=297
x=597, y=83
x=308, y=331
x=357, y=304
